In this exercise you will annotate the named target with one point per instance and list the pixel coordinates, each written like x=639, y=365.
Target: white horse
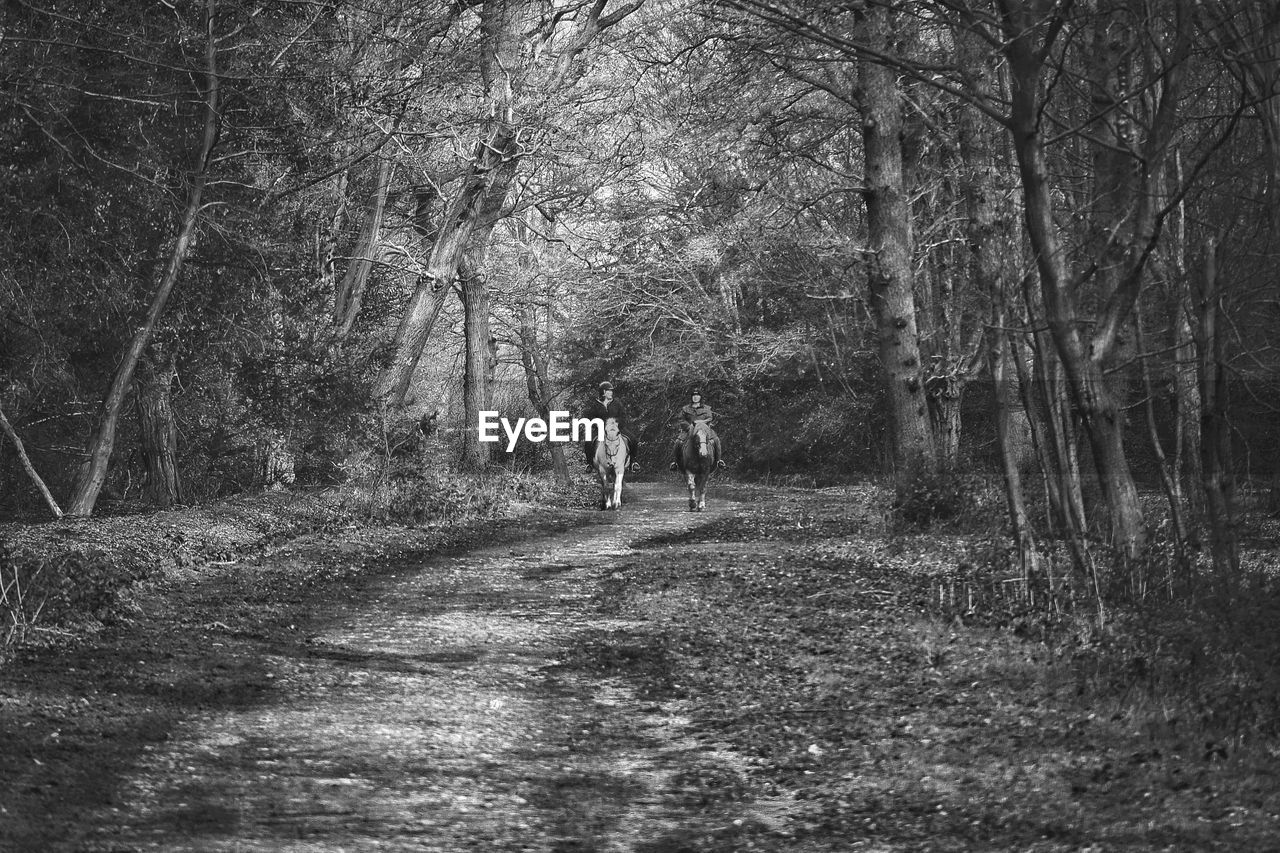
x=612, y=456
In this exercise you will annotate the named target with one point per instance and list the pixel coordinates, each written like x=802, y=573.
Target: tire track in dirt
x=437, y=714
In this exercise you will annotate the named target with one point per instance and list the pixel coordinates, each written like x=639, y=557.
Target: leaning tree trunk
x=889, y=278
x=28, y=467
x=327, y=235
x=349, y=294
x=489, y=177
x=469, y=218
x=93, y=472
x=158, y=433
x=1100, y=414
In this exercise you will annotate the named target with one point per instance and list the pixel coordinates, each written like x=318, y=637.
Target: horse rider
x=605, y=407
x=692, y=413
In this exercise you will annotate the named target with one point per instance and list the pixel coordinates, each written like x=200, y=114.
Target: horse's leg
x=617, y=487
x=691, y=479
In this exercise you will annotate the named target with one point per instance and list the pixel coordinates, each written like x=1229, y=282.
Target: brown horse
x=612, y=456
x=699, y=457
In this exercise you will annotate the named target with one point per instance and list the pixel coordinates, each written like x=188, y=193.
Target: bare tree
x=28, y=467
x=93, y=471
x=528, y=54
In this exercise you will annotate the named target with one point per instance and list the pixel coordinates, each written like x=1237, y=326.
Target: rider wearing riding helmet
x=605, y=407
x=692, y=413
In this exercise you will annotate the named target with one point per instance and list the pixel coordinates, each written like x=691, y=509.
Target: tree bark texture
x=481, y=358
x=1215, y=431
x=889, y=275
x=349, y=294
x=158, y=433
x=327, y=235
x=93, y=471
x=485, y=179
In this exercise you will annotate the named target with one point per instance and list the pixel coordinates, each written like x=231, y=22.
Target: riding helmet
x=606, y=386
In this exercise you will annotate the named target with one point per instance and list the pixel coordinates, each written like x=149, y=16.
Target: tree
x=511, y=82
x=36, y=479
x=889, y=274
x=93, y=472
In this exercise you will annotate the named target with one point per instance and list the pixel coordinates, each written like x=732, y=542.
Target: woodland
x=949, y=245
x=982, y=294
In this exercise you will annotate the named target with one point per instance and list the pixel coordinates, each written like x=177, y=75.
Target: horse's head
x=702, y=434
x=611, y=429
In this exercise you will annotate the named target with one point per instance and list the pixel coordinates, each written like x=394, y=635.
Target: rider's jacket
x=599, y=409
x=692, y=413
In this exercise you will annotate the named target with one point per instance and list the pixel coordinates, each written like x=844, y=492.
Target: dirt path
x=763, y=676
x=429, y=711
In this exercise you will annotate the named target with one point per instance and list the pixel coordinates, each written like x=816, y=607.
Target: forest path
x=763, y=676
x=431, y=710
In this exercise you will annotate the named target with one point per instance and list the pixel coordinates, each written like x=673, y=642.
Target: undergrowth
x=1193, y=667
x=66, y=577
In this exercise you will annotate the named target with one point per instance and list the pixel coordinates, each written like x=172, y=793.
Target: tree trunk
x=327, y=235
x=275, y=461
x=28, y=467
x=481, y=353
x=1048, y=406
x=993, y=250
x=158, y=433
x=505, y=26
x=1100, y=415
x=1215, y=432
x=946, y=393
x=1187, y=474
x=93, y=472
x=538, y=386
x=1186, y=466
x=889, y=275
x=489, y=177
x=349, y=295
x=1172, y=491
x=1019, y=521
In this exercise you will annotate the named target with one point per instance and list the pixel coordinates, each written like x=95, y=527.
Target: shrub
x=42, y=588
x=930, y=497
x=412, y=494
